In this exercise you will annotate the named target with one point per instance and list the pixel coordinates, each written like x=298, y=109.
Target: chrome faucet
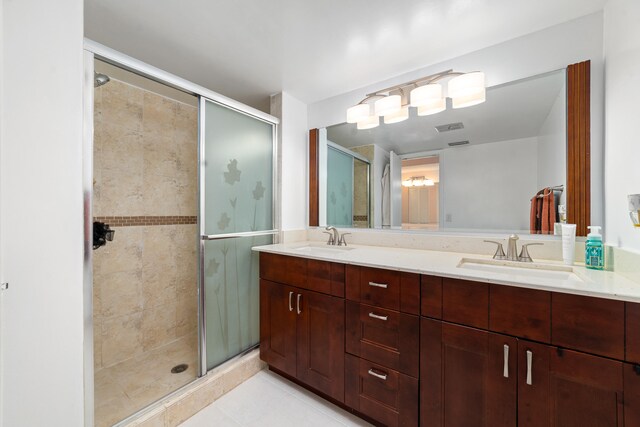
x=334, y=239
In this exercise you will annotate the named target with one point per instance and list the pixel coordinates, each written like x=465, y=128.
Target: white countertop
x=602, y=284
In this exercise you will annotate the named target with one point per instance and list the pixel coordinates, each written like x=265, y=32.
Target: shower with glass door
x=182, y=188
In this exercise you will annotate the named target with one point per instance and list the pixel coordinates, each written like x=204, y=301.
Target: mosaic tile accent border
x=360, y=218
x=133, y=221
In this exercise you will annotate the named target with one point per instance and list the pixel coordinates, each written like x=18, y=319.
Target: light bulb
x=426, y=95
x=401, y=115
x=358, y=112
x=369, y=122
x=467, y=90
x=388, y=105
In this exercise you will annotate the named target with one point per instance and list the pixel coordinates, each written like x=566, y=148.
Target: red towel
x=542, y=216
x=535, y=214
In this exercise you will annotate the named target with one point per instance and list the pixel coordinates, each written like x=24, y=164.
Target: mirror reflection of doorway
x=420, y=193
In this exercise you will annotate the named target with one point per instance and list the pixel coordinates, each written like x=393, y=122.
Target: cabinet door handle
x=529, y=363
x=298, y=304
x=377, y=375
x=378, y=285
x=505, y=370
x=290, y=305
x=377, y=316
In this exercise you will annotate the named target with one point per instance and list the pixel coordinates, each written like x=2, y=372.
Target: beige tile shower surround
x=145, y=281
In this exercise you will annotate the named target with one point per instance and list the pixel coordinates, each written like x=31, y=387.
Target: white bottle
x=568, y=243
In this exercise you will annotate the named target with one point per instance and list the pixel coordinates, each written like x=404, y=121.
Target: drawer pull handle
x=529, y=363
x=505, y=370
x=298, y=310
x=377, y=316
x=377, y=375
x=378, y=285
x=290, y=305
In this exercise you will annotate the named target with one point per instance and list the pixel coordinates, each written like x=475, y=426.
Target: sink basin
x=544, y=271
x=324, y=250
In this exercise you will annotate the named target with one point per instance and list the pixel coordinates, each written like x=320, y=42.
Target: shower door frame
x=92, y=51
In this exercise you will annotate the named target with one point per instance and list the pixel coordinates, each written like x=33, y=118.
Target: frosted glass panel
x=339, y=188
x=232, y=296
x=238, y=171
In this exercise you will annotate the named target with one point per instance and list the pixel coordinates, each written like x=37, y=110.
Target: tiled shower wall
x=145, y=185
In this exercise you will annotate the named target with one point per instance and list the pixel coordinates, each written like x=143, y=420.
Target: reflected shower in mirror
x=483, y=168
x=346, y=187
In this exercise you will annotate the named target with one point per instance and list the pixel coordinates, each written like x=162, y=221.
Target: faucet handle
x=342, y=241
x=330, y=241
x=499, y=250
x=524, y=253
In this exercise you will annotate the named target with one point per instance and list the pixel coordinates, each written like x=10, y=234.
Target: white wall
x=473, y=188
x=622, y=65
x=547, y=50
x=552, y=146
x=41, y=213
x=294, y=154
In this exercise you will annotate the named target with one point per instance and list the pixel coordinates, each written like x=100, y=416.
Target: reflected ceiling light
x=388, y=105
x=358, y=112
x=465, y=90
x=399, y=116
x=418, y=181
x=369, y=122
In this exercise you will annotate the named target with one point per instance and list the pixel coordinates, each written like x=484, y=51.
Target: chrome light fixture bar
x=425, y=94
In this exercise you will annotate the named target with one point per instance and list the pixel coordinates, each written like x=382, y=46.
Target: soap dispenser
x=594, y=250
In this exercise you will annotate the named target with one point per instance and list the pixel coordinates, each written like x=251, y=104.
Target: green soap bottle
x=594, y=250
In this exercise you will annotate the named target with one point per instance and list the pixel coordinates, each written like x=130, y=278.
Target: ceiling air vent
x=454, y=144
x=449, y=127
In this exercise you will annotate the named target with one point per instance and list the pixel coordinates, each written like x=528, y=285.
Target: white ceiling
x=512, y=111
x=249, y=49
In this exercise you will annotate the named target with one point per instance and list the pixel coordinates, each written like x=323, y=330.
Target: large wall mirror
x=492, y=167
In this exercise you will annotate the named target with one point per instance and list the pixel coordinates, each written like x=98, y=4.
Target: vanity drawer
x=325, y=277
x=386, y=337
x=593, y=325
x=465, y=302
x=289, y=270
x=383, y=394
x=390, y=289
x=633, y=332
x=525, y=313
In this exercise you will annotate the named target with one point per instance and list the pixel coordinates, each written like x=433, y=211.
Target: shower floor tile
x=266, y=399
x=125, y=388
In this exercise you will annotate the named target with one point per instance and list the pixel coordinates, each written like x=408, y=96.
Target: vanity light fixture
x=418, y=181
x=426, y=94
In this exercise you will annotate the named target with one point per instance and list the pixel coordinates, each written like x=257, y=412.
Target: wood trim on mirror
x=578, y=196
x=313, y=179
x=578, y=185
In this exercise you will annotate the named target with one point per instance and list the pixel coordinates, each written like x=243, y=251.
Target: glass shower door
x=237, y=212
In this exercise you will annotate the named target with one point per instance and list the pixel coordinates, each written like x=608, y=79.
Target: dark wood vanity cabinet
x=403, y=349
x=302, y=331
x=543, y=358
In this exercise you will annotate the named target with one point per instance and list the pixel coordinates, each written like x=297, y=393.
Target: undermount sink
x=544, y=271
x=324, y=250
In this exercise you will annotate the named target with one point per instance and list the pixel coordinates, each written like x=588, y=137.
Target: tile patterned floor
x=125, y=388
x=266, y=399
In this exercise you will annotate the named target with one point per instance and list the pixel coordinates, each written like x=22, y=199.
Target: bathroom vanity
x=406, y=337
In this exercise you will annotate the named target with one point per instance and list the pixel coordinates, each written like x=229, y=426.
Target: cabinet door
x=585, y=390
x=320, y=331
x=534, y=403
x=278, y=326
x=468, y=376
x=631, y=395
